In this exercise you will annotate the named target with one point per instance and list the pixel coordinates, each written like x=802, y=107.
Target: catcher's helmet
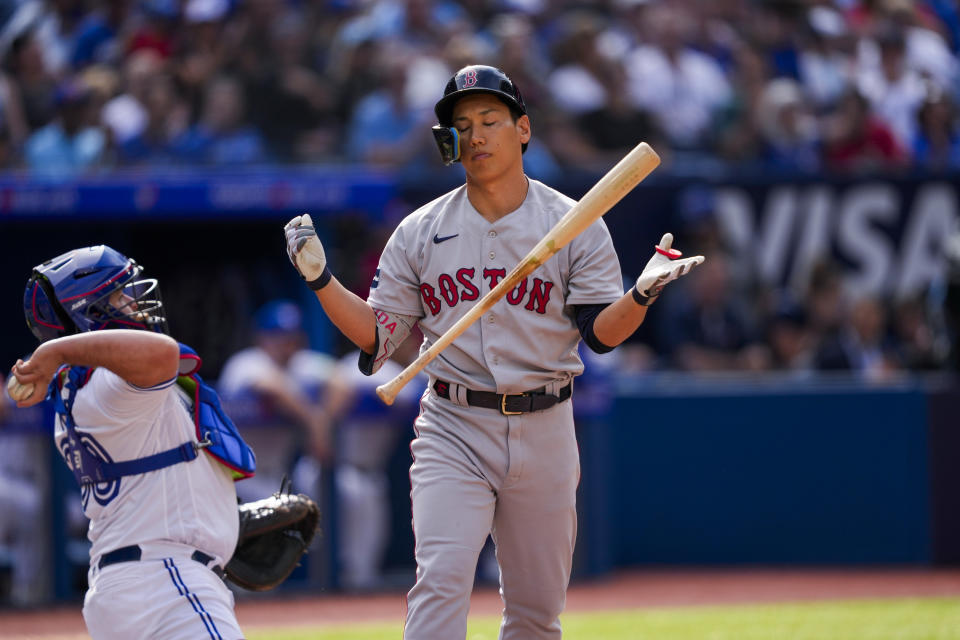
x=71, y=294
x=476, y=78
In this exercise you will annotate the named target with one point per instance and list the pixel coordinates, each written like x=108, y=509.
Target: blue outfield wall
x=682, y=472
x=817, y=474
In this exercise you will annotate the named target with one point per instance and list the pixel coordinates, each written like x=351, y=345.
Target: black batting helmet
x=477, y=78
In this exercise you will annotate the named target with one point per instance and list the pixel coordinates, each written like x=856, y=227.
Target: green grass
x=908, y=619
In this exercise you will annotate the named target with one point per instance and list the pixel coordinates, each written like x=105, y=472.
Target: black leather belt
x=133, y=554
x=509, y=404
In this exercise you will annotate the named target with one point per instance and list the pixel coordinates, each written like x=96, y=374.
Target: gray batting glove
x=665, y=266
x=306, y=252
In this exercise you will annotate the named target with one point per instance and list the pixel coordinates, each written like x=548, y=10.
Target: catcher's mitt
x=274, y=533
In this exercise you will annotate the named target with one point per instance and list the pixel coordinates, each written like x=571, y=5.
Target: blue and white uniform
x=183, y=518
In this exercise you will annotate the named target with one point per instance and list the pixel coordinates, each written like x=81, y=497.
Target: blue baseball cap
x=279, y=315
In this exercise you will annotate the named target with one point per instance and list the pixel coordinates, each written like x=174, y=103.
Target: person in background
x=223, y=135
x=71, y=143
x=711, y=329
x=23, y=537
x=366, y=432
x=285, y=379
x=856, y=142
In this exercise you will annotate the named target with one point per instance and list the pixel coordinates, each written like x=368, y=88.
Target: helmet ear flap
x=448, y=141
x=46, y=317
x=69, y=326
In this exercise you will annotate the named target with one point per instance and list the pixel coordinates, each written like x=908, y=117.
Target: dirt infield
x=635, y=589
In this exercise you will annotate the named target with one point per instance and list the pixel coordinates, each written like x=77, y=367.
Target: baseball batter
x=495, y=450
x=163, y=513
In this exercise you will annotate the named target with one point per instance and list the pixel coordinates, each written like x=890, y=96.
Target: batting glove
x=665, y=266
x=306, y=252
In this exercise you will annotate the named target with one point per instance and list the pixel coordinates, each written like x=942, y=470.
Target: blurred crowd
x=791, y=85
x=798, y=86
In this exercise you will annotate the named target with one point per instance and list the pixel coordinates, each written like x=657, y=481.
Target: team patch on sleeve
x=376, y=279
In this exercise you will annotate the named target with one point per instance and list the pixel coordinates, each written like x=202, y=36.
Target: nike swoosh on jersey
x=437, y=239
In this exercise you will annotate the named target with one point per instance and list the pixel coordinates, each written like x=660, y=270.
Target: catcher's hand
x=665, y=266
x=305, y=251
x=274, y=533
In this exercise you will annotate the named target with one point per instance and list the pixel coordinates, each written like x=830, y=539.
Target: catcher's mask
x=476, y=78
x=72, y=293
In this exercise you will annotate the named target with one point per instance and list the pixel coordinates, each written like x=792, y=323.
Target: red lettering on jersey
x=470, y=291
x=448, y=289
x=382, y=318
x=430, y=298
x=539, y=296
x=494, y=275
x=516, y=296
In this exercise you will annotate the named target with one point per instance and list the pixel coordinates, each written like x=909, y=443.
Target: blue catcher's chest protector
x=216, y=434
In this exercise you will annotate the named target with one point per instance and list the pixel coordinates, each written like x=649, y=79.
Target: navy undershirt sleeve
x=367, y=359
x=586, y=314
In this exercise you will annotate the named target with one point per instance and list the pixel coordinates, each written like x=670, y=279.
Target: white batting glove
x=306, y=252
x=665, y=266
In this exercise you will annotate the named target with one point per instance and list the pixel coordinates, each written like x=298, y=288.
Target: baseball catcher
x=275, y=532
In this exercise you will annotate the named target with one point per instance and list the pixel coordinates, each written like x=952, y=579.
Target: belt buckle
x=503, y=405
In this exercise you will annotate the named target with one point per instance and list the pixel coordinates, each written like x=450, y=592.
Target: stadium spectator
x=290, y=102
x=386, y=129
x=588, y=87
x=366, y=432
x=788, y=336
x=710, y=328
x=683, y=88
x=125, y=115
x=790, y=134
x=23, y=541
x=860, y=345
x=223, y=136
x=55, y=30
x=167, y=119
x=826, y=59
x=36, y=84
x=936, y=144
x=894, y=90
x=13, y=121
x=71, y=143
x=99, y=37
x=156, y=28
x=285, y=380
x=739, y=141
x=916, y=345
x=857, y=142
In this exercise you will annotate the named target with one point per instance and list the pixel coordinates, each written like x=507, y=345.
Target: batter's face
x=490, y=140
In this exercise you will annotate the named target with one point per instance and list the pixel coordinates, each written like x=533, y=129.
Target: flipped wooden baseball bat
x=611, y=188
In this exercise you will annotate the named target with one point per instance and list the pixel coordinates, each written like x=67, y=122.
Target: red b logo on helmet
x=469, y=78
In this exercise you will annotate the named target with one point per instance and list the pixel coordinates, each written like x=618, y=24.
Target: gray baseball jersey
x=476, y=471
x=444, y=257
